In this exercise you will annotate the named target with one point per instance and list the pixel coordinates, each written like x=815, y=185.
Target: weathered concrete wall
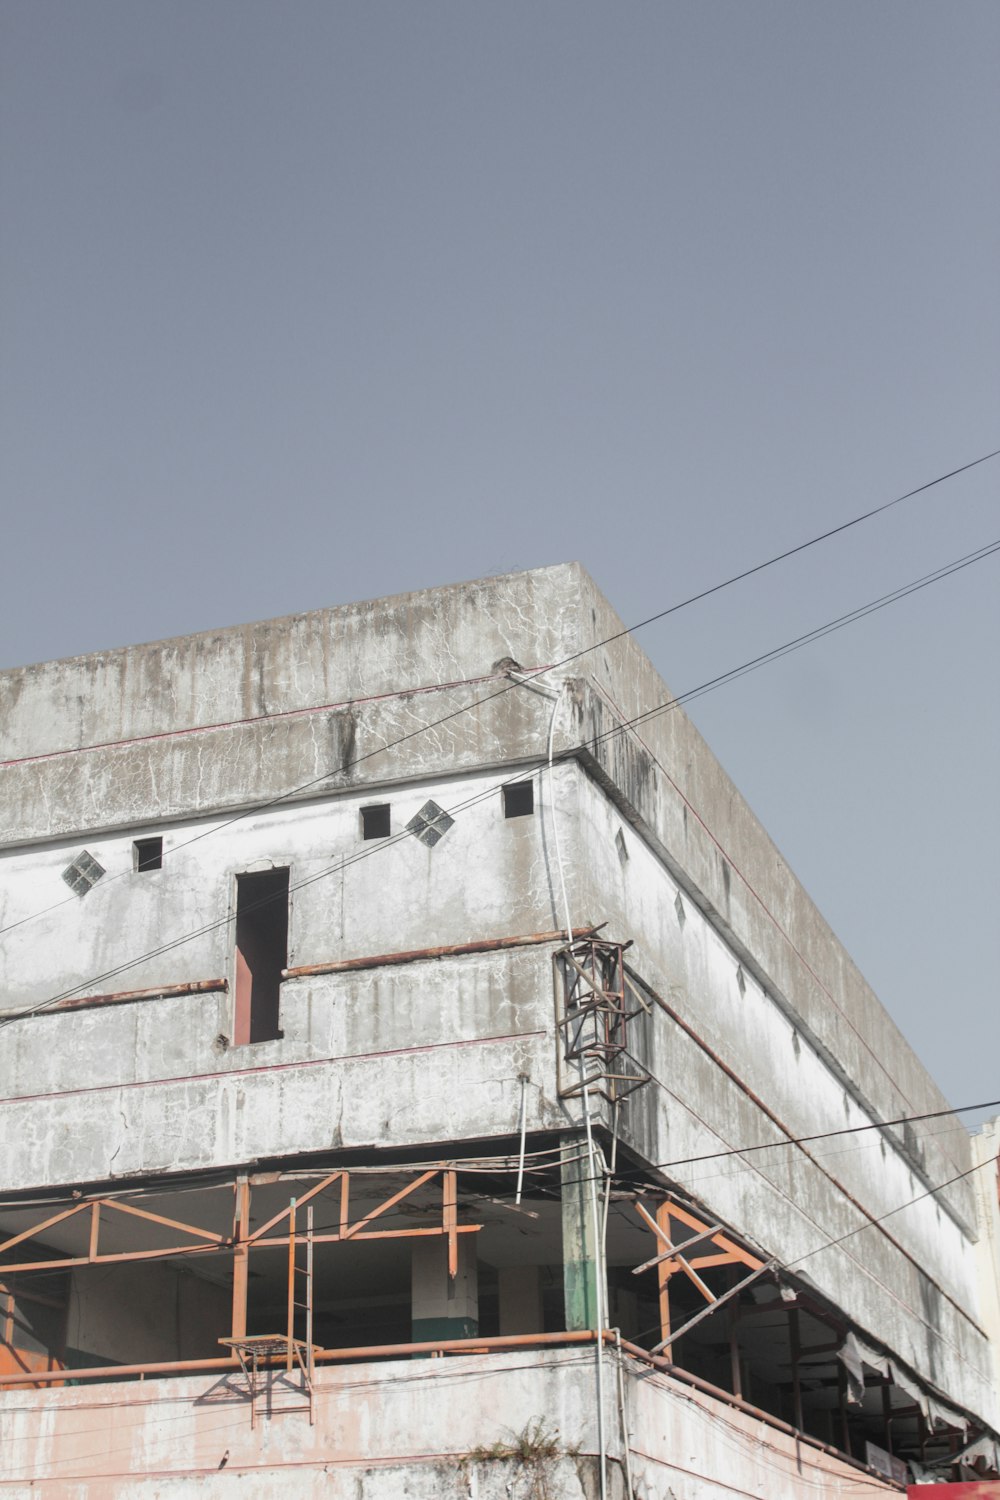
x=986, y=1151
x=330, y=661
x=409, y=1429
x=489, y=877
x=432, y=1052
x=909, y=1278
x=143, y=1312
x=691, y=814
x=426, y=1052
x=327, y=657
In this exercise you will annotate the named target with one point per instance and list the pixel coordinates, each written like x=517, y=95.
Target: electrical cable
x=824, y=1135
x=796, y=1260
x=777, y=652
x=851, y=617
x=791, y=1265
x=554, y=666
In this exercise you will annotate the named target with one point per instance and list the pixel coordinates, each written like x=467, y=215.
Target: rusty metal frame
x=674, y=1257
x=595, y=1001
x=207, y=1238
x=198, y=1240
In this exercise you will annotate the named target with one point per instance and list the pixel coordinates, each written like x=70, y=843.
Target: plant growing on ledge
x=532, y=1450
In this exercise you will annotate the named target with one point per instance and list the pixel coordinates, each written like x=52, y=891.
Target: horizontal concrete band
x=286, y=713
x=445, y=1346
x=272, y=1068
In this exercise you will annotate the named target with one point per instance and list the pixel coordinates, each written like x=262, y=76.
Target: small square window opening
x=83, y=874
x=147, y=854
x=519, y=799
x=430, y=824
x=375, y=823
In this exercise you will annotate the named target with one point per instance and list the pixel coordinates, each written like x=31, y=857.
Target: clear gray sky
x=303, y=303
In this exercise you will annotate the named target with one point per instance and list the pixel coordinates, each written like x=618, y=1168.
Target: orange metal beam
x=415, y=955
x=372, y=1351
x=125, y=997
x=404, y=1192
x=142, y=1213
x=68, y=1262
x=291, y=1284
x=334, y=1238
x=661, y=1224
x=723, y=1241
x=27, y=1234
x=449, y=1216
x=241, y=1256
x=312, y=1192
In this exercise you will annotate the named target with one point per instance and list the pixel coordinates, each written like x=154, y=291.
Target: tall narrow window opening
x=261, y=954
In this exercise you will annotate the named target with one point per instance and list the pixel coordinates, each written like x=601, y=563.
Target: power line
x=880, y=1218
x=824, y=1135
x=775, y=654
x=552, y=667
x=340, y=866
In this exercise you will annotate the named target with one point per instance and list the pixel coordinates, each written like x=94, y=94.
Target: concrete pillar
x=520, y=1290
x=578, y=1245
x=442, y=1308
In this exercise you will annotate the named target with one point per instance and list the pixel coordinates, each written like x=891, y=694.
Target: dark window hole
x=147, y=854
x=519, y=799
x=375, y=821
x=261, y=954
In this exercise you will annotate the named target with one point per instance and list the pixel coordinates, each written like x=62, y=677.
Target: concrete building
x=406, y=1053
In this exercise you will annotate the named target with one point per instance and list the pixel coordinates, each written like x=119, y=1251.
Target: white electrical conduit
x=623, y=1413
x=524, y=1132
x=622, y=1409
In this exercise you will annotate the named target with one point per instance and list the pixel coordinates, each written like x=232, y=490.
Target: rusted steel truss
x=676, y=1256
x=278, y=1231
x=199, y=1240
x=596, y=1000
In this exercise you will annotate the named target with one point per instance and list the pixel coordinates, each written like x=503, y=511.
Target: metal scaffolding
x=596, y=1001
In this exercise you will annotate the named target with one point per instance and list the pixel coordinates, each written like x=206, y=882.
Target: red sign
x=968, y=1489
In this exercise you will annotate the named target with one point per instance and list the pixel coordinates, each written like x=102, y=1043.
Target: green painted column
x=442, y=1308
x=579, y=1250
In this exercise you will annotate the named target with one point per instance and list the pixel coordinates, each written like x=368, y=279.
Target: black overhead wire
x=634, y=1181
x=775, y=654
x=345, y=863
x=791, y=1266
x=532, y=673
x=804, y=1140
x=931, y=1192
x=825, y=1135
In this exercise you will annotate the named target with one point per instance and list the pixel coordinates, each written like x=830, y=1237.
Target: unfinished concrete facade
x=369, y=994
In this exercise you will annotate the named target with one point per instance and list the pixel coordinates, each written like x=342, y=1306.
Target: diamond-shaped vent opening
x=430, y=824
x=83, y=873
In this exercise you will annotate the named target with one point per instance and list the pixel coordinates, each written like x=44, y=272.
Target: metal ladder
x=302, y=1351
x=258, y=1353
